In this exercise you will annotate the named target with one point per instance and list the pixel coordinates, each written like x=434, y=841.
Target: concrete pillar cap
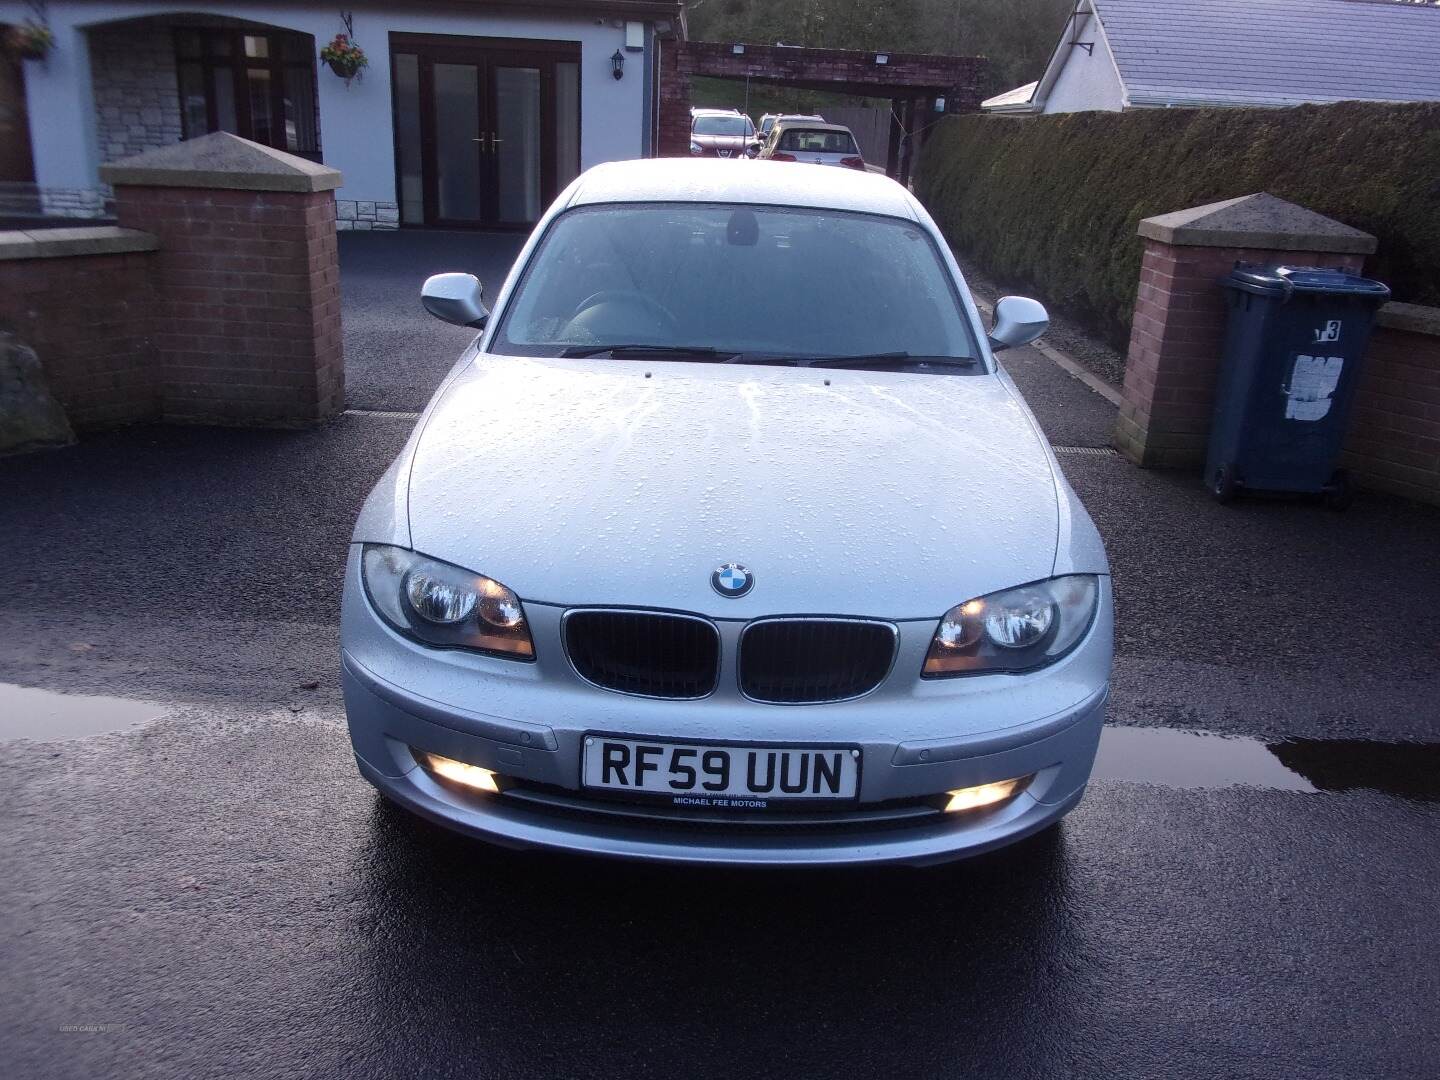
x=1256, y=221
x=221, y=160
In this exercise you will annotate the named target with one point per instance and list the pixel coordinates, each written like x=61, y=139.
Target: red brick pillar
x=674, y=103
x=246, y=326
x=1178, y=333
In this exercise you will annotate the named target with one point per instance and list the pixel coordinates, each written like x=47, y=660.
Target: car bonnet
x=619, y=482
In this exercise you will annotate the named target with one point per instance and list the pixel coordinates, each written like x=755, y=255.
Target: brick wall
x=1394, y=439
x=903, y=75
x=674, y=121
x=86, y=316
x=247, y=322
x=908, y=76
x=137, y=99
x=1176, y=341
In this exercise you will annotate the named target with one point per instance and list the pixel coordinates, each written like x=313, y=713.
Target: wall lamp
x=617, y=64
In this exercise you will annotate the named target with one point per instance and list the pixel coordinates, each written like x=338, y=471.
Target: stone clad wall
x=360, y=215
x=137, y=98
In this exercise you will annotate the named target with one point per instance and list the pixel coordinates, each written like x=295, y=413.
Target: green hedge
x=1052, y=202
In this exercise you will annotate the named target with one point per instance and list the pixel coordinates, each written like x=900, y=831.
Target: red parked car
x=723, y=133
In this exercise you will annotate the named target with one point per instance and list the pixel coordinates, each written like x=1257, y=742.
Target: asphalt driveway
x=219, y=892
x=394, y=353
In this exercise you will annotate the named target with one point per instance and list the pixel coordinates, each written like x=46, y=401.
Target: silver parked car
x=649, y=580
x=769, y=120
x=813, y=144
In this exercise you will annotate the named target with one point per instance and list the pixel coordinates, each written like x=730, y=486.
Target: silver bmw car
x=800, y=586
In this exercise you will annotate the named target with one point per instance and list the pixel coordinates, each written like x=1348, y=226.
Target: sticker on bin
x=1329, y=332
x=1312, y=380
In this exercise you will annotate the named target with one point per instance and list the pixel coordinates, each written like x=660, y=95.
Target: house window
x=257, y=84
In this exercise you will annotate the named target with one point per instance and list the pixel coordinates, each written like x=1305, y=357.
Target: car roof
x=813, y=125
x=768, y=183
x=714, y=112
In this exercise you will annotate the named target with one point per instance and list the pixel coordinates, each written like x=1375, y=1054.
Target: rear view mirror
x=455, y=298
x=1018, y=321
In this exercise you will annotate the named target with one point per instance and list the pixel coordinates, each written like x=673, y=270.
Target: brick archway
x=914, y=83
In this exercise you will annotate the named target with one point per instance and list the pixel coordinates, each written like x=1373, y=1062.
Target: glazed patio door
x=484, y=136
x=456, y=152
x=517, y=135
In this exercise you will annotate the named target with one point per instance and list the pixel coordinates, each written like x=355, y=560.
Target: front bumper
x=730, y=153
x=527, y=722
x=386, y=722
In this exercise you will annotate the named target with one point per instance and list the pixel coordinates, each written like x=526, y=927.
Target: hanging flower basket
x=345, y=58
x=31, y=41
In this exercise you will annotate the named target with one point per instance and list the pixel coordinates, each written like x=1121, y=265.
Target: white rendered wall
x=1087, y=82
x=355, y=123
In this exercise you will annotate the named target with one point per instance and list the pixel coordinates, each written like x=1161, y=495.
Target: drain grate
x=1086, y=451
x=383, y=414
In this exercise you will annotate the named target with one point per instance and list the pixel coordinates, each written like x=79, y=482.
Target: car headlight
x=1014, y=630
x=695, y=148
x=439, y=604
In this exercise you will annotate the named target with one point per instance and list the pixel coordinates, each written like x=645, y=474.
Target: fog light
x=459, y=772
x=973, y=798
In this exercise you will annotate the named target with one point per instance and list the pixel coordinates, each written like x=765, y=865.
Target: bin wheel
x=1222, y=484
x=1338, y=493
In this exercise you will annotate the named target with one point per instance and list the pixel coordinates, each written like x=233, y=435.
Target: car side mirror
x=1018, y=321
x=455, y=298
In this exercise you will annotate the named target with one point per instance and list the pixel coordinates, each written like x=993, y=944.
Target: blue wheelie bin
x=1294, y=345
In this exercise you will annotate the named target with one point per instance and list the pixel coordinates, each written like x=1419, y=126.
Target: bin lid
x=1285, y=280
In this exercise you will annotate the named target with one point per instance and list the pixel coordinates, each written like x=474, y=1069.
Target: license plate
x=698, y=774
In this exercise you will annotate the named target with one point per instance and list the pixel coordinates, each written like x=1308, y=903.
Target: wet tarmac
x=219, y=893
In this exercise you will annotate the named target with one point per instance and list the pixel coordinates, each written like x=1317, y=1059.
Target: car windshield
x=818, y=142
x=722, y=125
x=754, y=284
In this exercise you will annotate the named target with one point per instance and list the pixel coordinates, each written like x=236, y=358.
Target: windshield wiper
x=889, y=359
x=619, y=351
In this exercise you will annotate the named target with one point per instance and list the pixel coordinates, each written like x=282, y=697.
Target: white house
x=469, y=113
x=1136, y=54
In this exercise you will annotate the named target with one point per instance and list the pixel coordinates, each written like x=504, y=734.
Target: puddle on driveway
x=1202, y=759
x=27, y=712
x=1169, y=757
x=1191, y=759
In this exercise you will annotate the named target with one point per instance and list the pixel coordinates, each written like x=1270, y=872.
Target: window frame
x=240, y=65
